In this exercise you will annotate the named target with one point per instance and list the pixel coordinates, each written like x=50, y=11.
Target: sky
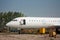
x=33, y=8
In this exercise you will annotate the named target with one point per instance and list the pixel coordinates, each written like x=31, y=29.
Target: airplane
x=34, y=22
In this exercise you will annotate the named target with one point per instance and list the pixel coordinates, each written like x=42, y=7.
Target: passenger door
x=23, y=22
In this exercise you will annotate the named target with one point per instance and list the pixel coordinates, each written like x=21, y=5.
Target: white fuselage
x=33, y=22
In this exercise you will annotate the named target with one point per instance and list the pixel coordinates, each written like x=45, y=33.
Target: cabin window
x=34, y=20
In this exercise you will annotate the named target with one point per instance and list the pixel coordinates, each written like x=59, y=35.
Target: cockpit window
x=14, y=20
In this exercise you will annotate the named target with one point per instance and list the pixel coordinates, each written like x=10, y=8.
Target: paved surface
x=26, y=37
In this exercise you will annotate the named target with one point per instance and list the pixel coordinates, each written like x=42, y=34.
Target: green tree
x=8, y=16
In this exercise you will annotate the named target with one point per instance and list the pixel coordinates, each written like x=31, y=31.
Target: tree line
x=8, y=16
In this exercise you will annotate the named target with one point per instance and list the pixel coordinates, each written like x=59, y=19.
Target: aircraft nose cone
x=12, y=24
x=8, y=24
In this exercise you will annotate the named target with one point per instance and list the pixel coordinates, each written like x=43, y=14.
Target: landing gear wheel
x=19, y=32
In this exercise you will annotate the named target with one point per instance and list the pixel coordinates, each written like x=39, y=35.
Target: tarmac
x=6, y=36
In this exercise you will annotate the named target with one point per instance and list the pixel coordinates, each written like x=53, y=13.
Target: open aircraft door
x=23, y=22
